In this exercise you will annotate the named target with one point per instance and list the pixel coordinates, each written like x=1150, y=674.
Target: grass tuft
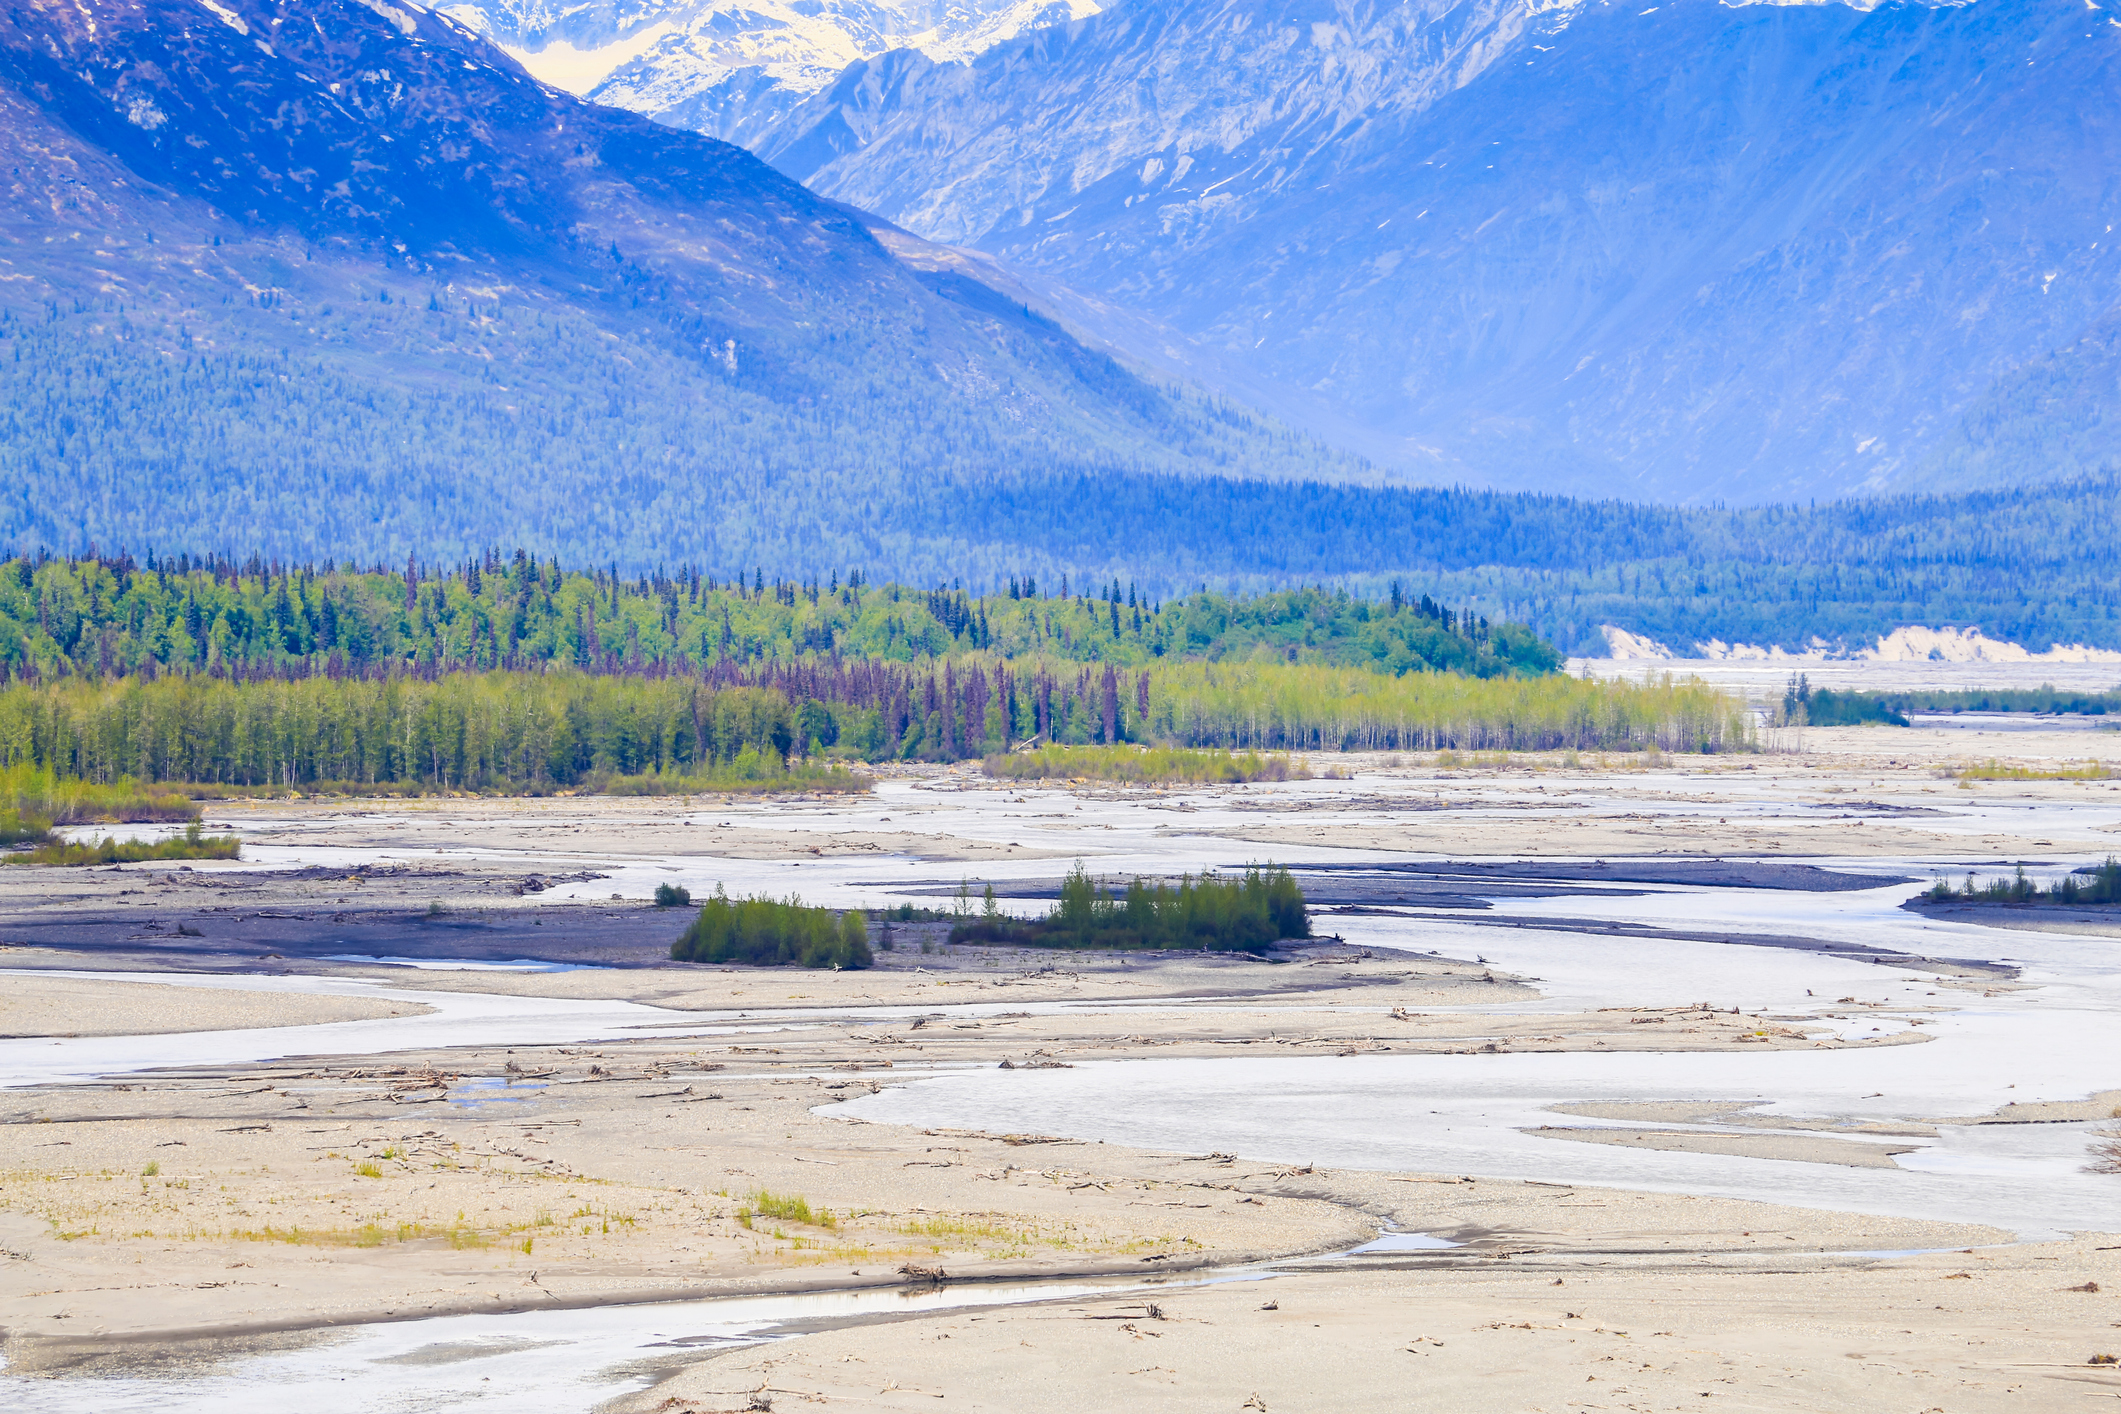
x=1993, y=770
x=1143, y=765
x=786, y=1207
x=751, y=772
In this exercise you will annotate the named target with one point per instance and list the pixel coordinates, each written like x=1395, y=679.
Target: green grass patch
x=783, y=1207
x=1995, y=771
x=189, y=845
x=774, y=933
x=370, y=1234
x=969, y=1232
x=1143, y=765
x=1248, y=913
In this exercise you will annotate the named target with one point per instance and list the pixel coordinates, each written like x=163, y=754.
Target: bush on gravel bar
x=1249, y=913
x=774, y=933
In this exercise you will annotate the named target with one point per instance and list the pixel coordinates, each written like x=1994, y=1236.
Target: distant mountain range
x=1682, y=251
x=330, y=280
x=339, y=278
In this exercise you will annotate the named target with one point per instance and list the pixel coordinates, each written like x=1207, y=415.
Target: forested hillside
x=2034, y=566
x=368, y=286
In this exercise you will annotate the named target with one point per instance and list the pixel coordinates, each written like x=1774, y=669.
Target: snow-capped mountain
x=1679, y=250
x=733, y=68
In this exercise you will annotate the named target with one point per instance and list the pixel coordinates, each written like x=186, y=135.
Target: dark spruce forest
x=103, y=618
x=505, y=672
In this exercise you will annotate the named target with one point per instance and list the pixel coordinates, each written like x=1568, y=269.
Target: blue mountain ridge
x=1686, y=252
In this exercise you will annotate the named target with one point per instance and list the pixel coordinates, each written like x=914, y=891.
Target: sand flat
x=79, y=1006
x=1790, y=1148
x=1506, y=1335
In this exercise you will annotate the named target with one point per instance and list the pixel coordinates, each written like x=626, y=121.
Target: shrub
x=2102, y=885
x=33, y=799
x=913, y=913
x=773, y=932
x=36, y=793
x=672, y=895
x=18, y=828
x=1249, y=913
x=189, y=845
x=1828, y=708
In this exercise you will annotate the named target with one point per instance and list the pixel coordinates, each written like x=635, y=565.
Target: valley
x=1045, y=705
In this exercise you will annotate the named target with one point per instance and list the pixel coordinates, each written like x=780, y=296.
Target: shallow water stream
x=532, y=1362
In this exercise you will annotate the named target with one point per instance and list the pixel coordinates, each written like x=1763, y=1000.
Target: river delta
x=1622, y=1083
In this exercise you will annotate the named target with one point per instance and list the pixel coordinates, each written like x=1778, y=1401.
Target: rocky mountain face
x=1684, y=251
x=339, y=277
x=733, y=69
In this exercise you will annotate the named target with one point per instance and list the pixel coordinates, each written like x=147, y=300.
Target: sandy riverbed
x=1957, y=1331
x=102, y=1006
x=239, y=1195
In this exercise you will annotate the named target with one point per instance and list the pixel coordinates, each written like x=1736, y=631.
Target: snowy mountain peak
x=733, y=68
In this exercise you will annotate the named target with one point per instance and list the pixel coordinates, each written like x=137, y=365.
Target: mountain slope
x=339, y=278
x=734, y=68
x=1685, y=251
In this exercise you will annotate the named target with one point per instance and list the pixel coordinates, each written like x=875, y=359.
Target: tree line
x=103, y=616
x=547, y=730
